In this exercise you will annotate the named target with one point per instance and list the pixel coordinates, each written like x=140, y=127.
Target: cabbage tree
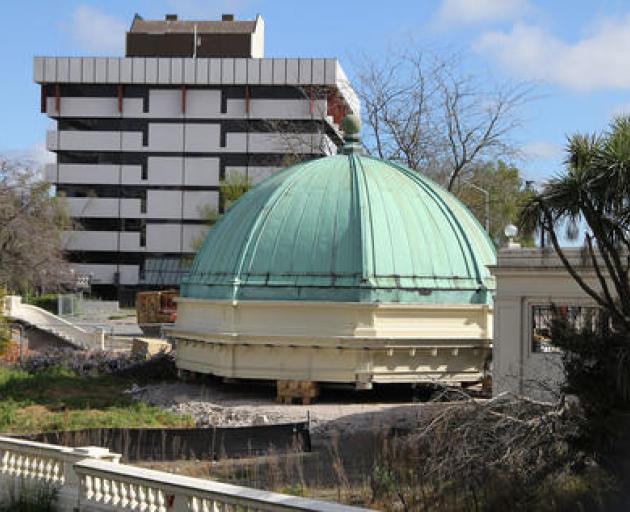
x=592, y=195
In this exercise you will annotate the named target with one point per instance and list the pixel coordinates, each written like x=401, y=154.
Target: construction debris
x=146, y=348
x=303, y=390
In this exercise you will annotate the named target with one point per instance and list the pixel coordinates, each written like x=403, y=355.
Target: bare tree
x=424, y=110
x=505, y=452
x=31, y=231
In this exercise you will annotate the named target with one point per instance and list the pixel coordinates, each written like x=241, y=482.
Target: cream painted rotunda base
x=332, y=342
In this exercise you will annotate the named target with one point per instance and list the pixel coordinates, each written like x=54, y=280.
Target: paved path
x=122, y=323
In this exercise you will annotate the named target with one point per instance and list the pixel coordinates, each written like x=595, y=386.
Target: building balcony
x=109, y=273
x=174, y=204
x=104, y=207
x=291, y=143
x=163, y=170
x=160, y=204
x=278, y=109
x=97, y=174
x=159, y=237
x=125, y=241
x=91, y=240
x=93, y=141
x=200, y=104
x=93, y=107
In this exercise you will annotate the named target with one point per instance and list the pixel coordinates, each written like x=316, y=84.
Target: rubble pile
x=216, y=404
x=97, y=362
x=203, y=404
x=92, y=362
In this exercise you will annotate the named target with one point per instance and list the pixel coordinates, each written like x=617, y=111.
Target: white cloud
x=540, y=150
x=34, y=157
x=598, y=60
x=98, y=32
x=456, y=12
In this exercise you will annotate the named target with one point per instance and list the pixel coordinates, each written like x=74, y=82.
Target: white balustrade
x=32, y=465
x=39, y=463
x=106, y=487
x=92, y=479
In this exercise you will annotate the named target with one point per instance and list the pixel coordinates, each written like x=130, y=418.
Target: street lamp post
x=487, y=201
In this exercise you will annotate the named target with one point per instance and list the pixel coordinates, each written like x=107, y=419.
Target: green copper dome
x=346, y=228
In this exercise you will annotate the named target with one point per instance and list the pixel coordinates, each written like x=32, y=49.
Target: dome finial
x=351, y=126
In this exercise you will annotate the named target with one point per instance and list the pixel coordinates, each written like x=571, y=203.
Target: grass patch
x=60, y=399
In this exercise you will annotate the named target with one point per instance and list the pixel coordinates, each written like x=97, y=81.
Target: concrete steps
x=53, y=324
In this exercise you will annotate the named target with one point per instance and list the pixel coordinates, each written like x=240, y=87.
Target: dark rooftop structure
x=172, y=37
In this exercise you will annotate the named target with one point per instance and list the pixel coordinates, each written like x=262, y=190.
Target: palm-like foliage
x=561, y=196
x=594, y=189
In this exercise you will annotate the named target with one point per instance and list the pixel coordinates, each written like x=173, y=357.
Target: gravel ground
x=214, y=403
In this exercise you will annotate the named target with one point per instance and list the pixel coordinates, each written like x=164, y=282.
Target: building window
x=579, y=317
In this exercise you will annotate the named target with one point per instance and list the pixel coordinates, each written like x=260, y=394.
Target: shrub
x=8, y=410
x=597, y=371
x=47, y=301
x=25, y=496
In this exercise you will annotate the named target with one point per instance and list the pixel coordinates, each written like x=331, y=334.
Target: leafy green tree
x=235, y=185
x=507, y=194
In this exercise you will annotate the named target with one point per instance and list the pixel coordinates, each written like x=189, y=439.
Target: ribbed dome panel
x=347, y=228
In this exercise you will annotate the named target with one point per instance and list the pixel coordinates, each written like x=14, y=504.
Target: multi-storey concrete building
x=143, y=141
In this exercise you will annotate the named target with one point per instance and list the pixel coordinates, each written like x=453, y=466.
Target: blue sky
x=577, y=52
